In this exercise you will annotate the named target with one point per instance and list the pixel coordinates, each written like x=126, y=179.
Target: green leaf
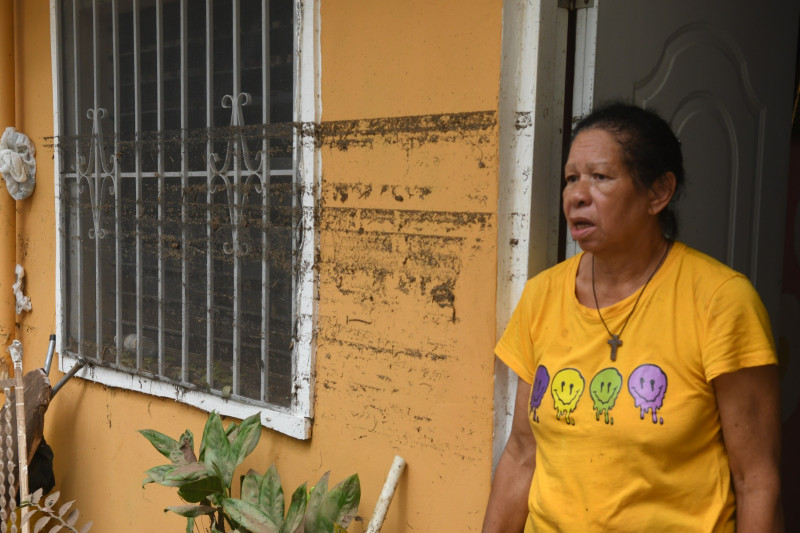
x=186, y=442
x=165, y=445
x=270, y=497
x=246, y=437
x=231, y=431
x=249, y=516
x=157, y=474
x=217, y=450
x=314, y=505
x=186, y=473
x=177, y=451
x=251, y=485
x=296, y=510
x=213, y=418
x=201, y=489
x=341, y=503
x=191, y=511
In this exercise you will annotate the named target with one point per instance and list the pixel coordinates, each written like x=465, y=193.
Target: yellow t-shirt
x=634, y=445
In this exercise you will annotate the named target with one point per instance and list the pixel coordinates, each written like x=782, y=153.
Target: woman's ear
x=661, y=192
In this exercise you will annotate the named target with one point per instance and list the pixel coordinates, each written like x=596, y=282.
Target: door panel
x=722, y=74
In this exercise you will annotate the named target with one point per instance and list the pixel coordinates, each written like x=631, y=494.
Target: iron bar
x=266, y=180
x=184, y=187
x=159, y=177
x=98, y=183
x=237, y=202
x=137, y=129
x=78, y=217
x=117, y=187
x=209, y=194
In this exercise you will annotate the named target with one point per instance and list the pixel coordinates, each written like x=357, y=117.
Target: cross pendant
x=615, y=343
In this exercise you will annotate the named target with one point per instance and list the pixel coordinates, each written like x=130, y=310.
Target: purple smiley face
x=648, y=384
x=540, y=382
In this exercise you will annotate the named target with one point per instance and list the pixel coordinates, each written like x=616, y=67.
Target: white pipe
x=386, y=494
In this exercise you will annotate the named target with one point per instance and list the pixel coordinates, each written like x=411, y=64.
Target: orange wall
x=407, y=277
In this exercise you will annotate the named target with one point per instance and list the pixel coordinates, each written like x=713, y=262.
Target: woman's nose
x=576, y=193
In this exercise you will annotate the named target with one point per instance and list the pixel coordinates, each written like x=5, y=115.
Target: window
x=186, y=199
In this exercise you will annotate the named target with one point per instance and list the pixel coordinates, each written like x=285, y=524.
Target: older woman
x=648, y=388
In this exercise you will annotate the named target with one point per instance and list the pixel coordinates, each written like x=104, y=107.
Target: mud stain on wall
x=408, y=132
x=407, y=226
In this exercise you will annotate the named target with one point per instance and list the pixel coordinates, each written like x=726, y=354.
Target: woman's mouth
x=580, y=229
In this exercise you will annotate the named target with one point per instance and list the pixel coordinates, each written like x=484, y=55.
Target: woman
x=648, y=385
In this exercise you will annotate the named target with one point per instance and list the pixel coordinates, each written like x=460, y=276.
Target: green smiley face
x=604, y=389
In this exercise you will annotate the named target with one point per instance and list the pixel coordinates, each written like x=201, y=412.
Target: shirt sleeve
x=515, y=347
x=738, y=333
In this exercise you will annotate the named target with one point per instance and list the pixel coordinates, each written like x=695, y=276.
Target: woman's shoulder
x=554, y=277
x=691, y=258
x=567, y=267
x=707, y=274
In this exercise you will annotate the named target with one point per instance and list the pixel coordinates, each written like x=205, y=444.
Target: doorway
x=733, y=120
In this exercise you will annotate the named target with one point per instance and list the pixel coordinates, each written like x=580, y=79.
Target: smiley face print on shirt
x=566, y=390
x=647, y=385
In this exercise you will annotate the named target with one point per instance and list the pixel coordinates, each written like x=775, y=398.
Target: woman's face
x=605, y=209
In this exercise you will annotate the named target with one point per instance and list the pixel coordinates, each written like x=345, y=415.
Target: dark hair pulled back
x=650, y=149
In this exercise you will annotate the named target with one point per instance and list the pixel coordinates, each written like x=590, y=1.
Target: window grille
x=184, y=200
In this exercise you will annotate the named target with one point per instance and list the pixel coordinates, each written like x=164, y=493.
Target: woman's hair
x=649, y=149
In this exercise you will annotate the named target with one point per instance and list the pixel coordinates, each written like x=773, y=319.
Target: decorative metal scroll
x=95, y=169
x=238, y=161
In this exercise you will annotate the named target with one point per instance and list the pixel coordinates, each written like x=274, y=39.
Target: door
x=722, y=74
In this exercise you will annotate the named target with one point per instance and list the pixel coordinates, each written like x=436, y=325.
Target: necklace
x=615, y=341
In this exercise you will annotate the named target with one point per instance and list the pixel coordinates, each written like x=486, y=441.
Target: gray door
x=722, y=73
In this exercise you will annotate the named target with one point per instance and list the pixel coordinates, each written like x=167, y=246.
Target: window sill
x=293, y=425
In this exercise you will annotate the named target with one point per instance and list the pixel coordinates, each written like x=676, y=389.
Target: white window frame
x=296, y=420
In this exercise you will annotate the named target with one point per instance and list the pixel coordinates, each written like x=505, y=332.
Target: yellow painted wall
x=407, y=277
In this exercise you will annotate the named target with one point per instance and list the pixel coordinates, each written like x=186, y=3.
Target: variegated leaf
x=297, y=509
x=72, y=517
x=270, y=498
x=64, y=508
x=40, y=524
x=249, y=516
x=315, y=503
x=51, y=500
x=26, y=516
x=341, y=503
x=191, y=511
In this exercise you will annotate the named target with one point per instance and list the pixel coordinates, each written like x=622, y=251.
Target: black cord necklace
x=615, y=342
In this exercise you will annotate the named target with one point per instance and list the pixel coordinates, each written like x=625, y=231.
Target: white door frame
x=531, y=110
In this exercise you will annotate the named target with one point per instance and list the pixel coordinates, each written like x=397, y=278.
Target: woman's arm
x=749, y=407
x=507, y=510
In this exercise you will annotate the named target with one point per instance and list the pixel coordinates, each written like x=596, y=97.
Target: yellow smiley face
x=567, y=387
